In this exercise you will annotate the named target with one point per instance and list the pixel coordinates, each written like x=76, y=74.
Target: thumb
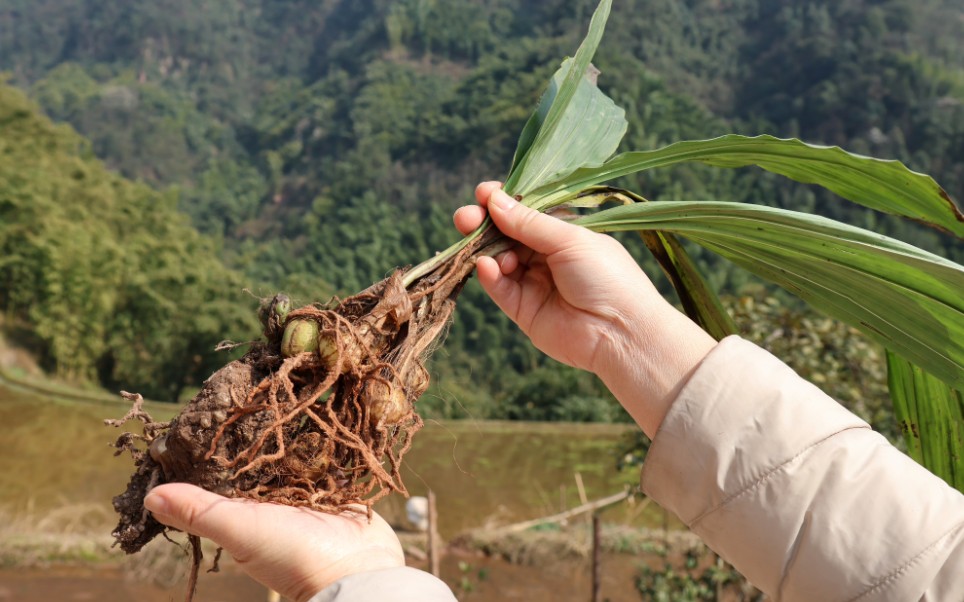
x=199, y=512
x=540, y=232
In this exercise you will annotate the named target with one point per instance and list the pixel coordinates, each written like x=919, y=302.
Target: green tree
x=106, y=275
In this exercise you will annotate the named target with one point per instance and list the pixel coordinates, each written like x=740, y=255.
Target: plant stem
x=491, y=247
x=430, y=265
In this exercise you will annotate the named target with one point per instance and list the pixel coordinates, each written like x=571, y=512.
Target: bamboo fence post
x=562, y=516
x=596, y=557
x=433, y=547
x=582, y=489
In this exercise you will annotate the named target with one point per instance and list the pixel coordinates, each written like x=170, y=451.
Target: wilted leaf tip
x=957, y=211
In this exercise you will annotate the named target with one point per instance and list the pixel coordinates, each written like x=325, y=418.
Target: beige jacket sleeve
x=402, y=584
x=799, y=494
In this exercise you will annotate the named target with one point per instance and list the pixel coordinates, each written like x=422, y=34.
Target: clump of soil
x=318, y=414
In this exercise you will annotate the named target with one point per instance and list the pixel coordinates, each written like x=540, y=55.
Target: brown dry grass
x=539, y=547
x=79, y=535
x=62, y=536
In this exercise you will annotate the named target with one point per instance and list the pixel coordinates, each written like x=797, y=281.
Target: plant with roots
x=321, y=411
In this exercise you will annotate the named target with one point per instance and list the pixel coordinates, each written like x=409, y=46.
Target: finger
x=540, y=232
x=525, y=255
x=468, y=218
x=506, y=292
x=508, y=262
x=199, y=512
x=484, y=190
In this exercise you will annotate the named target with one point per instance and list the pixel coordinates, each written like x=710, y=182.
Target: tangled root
x=326, y=428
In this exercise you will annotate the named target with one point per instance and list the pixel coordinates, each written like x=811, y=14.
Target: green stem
x=430, y=265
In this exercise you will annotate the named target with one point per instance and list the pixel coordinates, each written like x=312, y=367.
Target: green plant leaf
x=910, y=301
x=931, y=417
x=575, y=124
x=883, y=185
x=699, y=301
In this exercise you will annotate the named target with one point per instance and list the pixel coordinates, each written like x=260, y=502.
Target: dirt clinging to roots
x=325, y=428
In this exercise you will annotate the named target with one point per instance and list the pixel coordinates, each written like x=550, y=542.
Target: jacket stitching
x=907, y=565
x=766, y=476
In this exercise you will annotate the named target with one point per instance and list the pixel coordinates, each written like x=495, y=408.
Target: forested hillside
x=102, y=277
x=317, y=144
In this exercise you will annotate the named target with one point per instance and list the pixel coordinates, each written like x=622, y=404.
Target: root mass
x=324, y=424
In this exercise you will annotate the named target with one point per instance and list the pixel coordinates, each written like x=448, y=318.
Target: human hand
x=584, y=301
x=294, y=551
x=574, y=292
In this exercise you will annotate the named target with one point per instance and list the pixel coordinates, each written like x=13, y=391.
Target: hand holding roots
x=319, y=414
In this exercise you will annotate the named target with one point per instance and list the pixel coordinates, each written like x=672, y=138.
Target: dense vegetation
x=103, y=277
x=315, y=145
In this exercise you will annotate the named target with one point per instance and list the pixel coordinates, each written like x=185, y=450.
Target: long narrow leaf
x=931, y=417
x=575, y=124
x=699, y=301
x=883, y=185
x=907, y=299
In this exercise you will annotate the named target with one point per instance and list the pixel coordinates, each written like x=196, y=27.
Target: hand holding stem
x=584, y=301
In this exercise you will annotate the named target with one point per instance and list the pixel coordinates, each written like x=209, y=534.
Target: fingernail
x=156, y=503
x=502, y=200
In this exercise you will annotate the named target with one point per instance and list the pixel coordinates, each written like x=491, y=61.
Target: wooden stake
x=273, y=596
x=556, y=518
x=596, y=558
x=582, y=489
x=433, y=547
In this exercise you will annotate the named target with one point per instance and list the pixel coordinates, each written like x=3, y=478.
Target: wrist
x=647, y=360
x=363, y=561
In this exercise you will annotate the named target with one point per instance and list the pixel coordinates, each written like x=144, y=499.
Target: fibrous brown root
x=137, y=526
x=326, y=430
